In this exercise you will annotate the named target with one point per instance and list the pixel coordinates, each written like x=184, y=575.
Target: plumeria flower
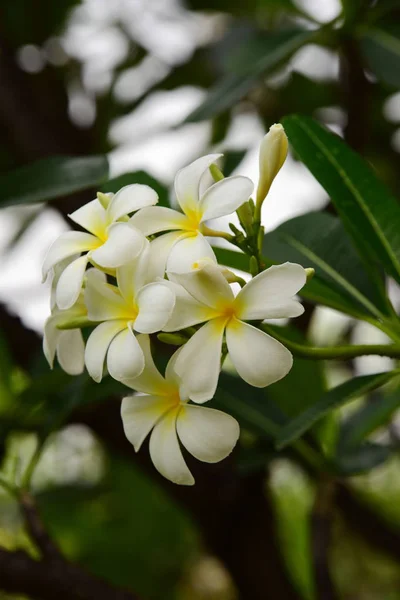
x=162, y=408
x=112, y=240
x=204, y=296
x=137, y=304
x=186, y=242
x=273, y=153
x=67, y=344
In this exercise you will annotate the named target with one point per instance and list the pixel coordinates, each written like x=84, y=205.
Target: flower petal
x=71, y=351
x=123, y=244
x=140, y=414
x=187, y=253
x=104, y=301
x=125, y=358
x=70, y=283
x=199, y=361
x=187, y=311
x=150, y=381
x=92, y=217
x=207, y=285
x=132, y=276
x=269, y=295
x=97, y=346
x=129, y=199
x=158, y=218
x=258, y=358
x=69, y=243
x=225, y=196
x=166, y=453
x=50, y=339
x=187, y=182
x=155, y=302
x=208, y=434
x=159, y=252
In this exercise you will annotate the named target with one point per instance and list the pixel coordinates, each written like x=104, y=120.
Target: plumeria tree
x=222, y=434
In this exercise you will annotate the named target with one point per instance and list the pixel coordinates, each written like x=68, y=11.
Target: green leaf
x=370, y=214
x=370, y=417
x=319, y=240
x=138, y=177
x=253, y=59
x=232, y=259
x=381, y=48
x=338, y=396
x=52, y=178
x=361, y=459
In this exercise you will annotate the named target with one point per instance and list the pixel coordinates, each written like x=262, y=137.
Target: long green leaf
x=319, y=240
x=361, y=459
x=331, y=400
x=52, y=178
x=381, y=48
x=370, y=214
x=253, y=60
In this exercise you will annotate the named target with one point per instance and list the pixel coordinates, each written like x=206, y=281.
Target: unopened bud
x=216, y=173
x=253, y=266
x=310, y=272
x=174, y=339
x=245, y=215
x=74, y=323
x=273, y=152
x=104, y=199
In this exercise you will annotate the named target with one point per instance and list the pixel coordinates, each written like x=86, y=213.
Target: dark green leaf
x=370, y=417
x=370, y=214
x=253, y=59
x=381, y=48
x=52, y=178
x=361, y=459
x=338, y=396
x=232, y=259
x=319, y=240
x=138, y=177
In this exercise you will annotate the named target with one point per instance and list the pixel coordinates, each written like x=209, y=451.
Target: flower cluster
x=152, y=269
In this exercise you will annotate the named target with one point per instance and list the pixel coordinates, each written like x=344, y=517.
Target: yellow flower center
x=193, y=218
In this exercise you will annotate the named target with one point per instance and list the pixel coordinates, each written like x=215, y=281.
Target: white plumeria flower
x=135, y=305
x=162, y=407
x=273, y=153
x=68, y=344
x=186, y=243
x=112, y=240
x=205, y=296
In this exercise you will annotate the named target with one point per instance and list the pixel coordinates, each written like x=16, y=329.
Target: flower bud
x=104, y=199
x=174, y=339
x=273, y=152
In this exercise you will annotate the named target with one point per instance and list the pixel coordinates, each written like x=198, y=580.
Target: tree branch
x=47, y=580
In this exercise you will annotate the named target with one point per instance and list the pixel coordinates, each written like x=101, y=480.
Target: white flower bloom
x=205, y=296
x=136, y=304
x=162, y=408
x=185, y=243
x=112, y=240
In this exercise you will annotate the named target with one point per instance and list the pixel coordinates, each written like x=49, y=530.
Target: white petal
x=159, y=252
x=70, y=283
x=91, y=216
x=199, y=361
x=225, y=196
x=150, y=381
x=207, y=285
x=258, y=358
x=155, y=302
x=129, y=199
x=125, y=358
x=187, y=182
x=50, y=339
x=97, y=346
x=123, y=244
x=187, y=311
x=208, y=434
x=270, y=294
x=158, y=218
x=187, y=254
x=134, y=275
x=166, y=453
x=69, y=243
x=140, y=414
x=104, y=301
x=71, y=351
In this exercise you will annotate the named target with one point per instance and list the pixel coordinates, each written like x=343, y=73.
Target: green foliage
x=113, y=185
x=52, y=178
x=354, y=189
x=381, y=47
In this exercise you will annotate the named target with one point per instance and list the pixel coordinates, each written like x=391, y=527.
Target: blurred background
x=154, y=84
